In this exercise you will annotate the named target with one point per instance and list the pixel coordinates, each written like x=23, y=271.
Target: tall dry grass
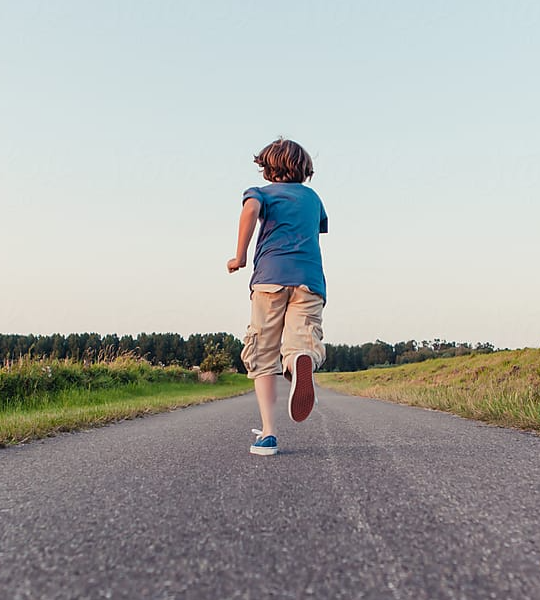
x=502, y=388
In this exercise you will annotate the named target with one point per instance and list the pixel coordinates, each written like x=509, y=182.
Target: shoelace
x=257, y=432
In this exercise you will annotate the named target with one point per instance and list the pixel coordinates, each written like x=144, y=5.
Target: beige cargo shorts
x=285, y=320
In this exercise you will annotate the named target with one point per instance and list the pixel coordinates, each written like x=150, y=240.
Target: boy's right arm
x=248, y=220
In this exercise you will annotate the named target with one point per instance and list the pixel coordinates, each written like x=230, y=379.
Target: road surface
x=366, y=500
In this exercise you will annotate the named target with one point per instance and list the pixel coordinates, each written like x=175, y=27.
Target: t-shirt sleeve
x=323, y=226
x=255, y=192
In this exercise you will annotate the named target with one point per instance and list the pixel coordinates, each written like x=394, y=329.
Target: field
x=502, y=388
x=42, y=398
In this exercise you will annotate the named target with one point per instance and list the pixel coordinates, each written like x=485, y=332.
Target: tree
x=73, y=346
x=233, y=347
x=43, y=346
x=402, y=347
x=145, y=344
x=59, y=346
x=381, y=353
x=484, y=347
x=330, y=362
x=92, y=346
x=111, y=343
x=126, y=344
x=194, y=350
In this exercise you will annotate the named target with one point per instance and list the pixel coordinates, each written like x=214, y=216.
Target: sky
x=127, y=135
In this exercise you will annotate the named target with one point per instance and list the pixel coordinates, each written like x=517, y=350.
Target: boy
x=288, y=288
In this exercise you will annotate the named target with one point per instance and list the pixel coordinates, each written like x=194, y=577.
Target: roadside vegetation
x=156, y=348
x=39, y=398
x=172, y=349
x=502, y=388
x=85, y=380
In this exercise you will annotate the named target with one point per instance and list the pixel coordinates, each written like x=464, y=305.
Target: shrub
x=216, y=359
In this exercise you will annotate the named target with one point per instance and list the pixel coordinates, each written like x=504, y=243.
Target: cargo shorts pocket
x=316, y=335
x=248, y=354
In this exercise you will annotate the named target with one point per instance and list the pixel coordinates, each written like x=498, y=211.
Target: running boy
x=288, y=288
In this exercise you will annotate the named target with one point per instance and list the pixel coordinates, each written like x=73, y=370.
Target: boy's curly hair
x=285, y=161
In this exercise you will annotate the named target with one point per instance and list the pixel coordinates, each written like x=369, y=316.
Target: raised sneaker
x=302, y=396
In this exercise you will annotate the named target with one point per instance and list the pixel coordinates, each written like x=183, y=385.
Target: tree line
x=172, y=349
x=158, y=348
x=376, y=354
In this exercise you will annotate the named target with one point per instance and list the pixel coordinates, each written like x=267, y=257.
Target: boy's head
x=285, y=161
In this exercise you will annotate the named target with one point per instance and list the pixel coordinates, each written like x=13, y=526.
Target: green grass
x=502, y=388
x=81, y=408
x=29, y=382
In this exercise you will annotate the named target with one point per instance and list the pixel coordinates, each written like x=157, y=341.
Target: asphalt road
x=365, y=500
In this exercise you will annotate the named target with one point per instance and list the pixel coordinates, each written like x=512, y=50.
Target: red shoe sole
x=302, y=397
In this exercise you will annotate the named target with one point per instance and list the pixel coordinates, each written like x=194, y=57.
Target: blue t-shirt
x=288, y=252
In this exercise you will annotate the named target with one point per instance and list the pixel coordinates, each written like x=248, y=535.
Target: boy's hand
x=235, y=263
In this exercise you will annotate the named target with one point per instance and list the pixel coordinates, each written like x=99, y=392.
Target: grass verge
x=70, y=410
x=501, y=388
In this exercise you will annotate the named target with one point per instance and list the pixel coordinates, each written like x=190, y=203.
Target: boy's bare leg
x=266, y=390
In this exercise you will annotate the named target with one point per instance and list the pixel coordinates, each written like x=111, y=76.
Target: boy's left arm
x=248, y=221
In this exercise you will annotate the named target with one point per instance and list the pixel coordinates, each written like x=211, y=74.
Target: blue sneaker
x=264, y=446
